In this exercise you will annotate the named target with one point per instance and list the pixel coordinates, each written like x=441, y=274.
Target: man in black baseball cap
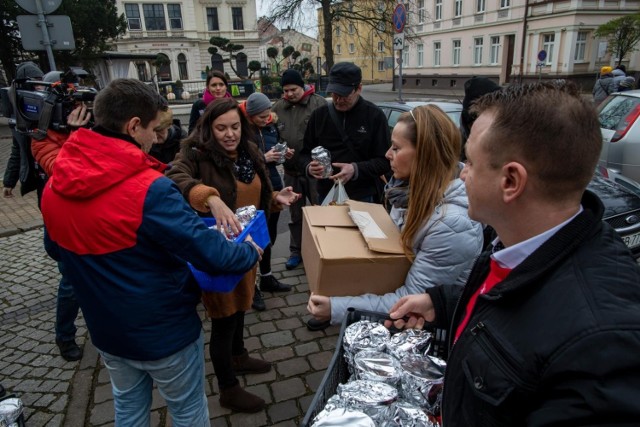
x=344, y=78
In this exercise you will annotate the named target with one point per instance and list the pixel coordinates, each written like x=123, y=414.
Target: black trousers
x=226, y=341
x=272, y=225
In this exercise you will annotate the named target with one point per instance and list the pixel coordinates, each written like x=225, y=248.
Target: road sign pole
x=42, y=22
x=400, y=76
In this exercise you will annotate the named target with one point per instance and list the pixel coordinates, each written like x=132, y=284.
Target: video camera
x=35, y=106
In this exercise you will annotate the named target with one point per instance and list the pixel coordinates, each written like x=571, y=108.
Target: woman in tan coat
x=219, y=170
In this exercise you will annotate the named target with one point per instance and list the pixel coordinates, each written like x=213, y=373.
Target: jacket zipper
x=498, y=354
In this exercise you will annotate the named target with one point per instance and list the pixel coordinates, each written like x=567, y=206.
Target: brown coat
x=200, y=172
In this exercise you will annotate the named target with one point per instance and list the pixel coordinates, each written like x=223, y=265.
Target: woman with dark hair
x=219, y=169
x=215, y=88
x=429, y=205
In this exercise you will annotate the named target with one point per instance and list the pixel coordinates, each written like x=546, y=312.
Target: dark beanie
x=291, y=77
x=28, y=70
x=475, y=87
x=257, y=103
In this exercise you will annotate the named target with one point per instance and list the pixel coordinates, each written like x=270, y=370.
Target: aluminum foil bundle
x=409, y=341
x=342, y=417
x=246, y=214
x=10, y=411
x=322, y=155
x=376, y=366
x=406, y=414
x=281, y=149
x=422, y=380
x=371, y=397
x=363, y=335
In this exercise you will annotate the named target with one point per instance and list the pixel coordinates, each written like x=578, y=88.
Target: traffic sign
x=48, y=6
x=60, y=32
x=399, y=18
x=398, y=41
x=542, y=55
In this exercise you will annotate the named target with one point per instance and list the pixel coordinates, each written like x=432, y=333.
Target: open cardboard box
x=342, y=259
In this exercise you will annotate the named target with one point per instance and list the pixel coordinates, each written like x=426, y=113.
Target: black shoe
x=2, y=391
x=69, y=350
x=317, y=325
x=258, y=303
x=271, y=284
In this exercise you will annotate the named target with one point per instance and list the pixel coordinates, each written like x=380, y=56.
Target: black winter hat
x=344, y=77
x=291, y=77
x=28, y=70
x=475, y=87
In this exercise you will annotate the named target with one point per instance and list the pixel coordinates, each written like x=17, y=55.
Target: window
x=380, y=65
x=477, y=50
x=382, y=26
x=420, y=50
x=352, y=29
x=212, y=19
x=438, y=13
x=338, y=49
x=581, y=46
x=405, y=56
x=457, y=11
x=182, y=67
x=548, y=41
x=380, y=46
x=352, y=48
x=154, y=17
x=505, y=3
x=175, y=16
x=495, y=50
x=133, y=16
x=337, y=31
x=457, y=50
x=437, y=49
x=236, y=17
x=421, y=13
x=479, y=6
x=141, y=67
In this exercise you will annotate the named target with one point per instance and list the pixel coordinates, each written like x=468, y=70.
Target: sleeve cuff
x=198, y=197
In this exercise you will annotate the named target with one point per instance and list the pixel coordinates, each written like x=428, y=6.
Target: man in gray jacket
x=294, y=110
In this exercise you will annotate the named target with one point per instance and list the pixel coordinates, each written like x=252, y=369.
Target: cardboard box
x=342, y=259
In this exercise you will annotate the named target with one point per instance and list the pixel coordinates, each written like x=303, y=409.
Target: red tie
x=496, y=275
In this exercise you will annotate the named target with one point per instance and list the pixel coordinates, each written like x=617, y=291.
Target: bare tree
x=375, y=14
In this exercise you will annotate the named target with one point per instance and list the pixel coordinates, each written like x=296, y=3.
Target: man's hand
x=79, y=117
x=316, y=169
x=225, y=219
x=255, y=245
x=286, y=196
x=346, y=172
x=7, y=192
x=320, y=307
x=417, y=308
x=289, y=153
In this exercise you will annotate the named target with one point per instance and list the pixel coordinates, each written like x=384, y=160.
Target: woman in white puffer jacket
x=429, y=204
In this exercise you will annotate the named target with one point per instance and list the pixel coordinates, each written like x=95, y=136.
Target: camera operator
x=45, y=152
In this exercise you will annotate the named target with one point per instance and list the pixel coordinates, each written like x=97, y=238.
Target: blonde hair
x=437, y=142
x=166, y=119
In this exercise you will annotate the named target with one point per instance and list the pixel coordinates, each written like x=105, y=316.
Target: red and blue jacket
x=125, y=234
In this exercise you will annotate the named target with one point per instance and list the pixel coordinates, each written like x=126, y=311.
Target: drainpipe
x=524, y=37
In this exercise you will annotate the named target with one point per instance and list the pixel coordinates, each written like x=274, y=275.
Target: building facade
x=180, y=32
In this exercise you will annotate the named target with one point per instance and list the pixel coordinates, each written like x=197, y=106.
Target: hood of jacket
x=91, y=163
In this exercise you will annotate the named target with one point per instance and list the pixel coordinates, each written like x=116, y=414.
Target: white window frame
x=457, y=9
x=381, y=46
x=548, y=44
x=420, y=55
x=352, y=48
x=581, y=46
x=437, y=54
x=480, y=6
x=438, y=11
x=494, y=41
x=421, y=12
x=405, y=56
x=478, y=44
x=175, y=23
x=504, y=4
x=134, y=18
x=338, y=48
x=352, y=28
x=380, y=66
x=337, y=30
x=457, y=51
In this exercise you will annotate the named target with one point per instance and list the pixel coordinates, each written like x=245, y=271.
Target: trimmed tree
x=622, y=35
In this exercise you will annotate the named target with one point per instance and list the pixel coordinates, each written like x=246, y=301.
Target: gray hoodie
x=445, y=249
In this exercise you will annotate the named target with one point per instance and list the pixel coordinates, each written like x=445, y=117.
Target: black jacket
x=367, y=129
x=166, y=151
x=556, y=343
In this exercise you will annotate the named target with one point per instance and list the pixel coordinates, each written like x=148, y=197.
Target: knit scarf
x=243, y=167
x=207, y=97
x=396, y=193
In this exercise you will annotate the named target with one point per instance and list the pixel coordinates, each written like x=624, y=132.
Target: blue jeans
x=67, y=308
x=180, y=381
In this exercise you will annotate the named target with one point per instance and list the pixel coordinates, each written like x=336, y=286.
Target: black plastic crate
x=338, y=372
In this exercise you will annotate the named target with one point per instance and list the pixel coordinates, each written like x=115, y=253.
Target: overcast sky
x=310, y=26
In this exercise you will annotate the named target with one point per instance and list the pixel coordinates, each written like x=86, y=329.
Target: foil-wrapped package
x=376, y=366
x=342, y=417
x=409, y=341
x=281, y=149
x=363, y=335
x=10, y=411
x=323, y=156
x=371, y=397
x=246, y=214
x=405, y=414
x=422, y=380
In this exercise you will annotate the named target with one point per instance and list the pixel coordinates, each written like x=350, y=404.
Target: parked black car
x=621, y=205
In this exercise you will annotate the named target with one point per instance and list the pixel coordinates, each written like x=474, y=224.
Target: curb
x=82, y=390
